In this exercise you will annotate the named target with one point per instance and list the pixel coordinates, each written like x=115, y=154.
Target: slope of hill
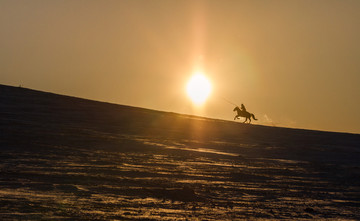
x=69, y=158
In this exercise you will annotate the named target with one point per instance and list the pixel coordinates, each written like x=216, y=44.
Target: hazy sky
x=292, y=63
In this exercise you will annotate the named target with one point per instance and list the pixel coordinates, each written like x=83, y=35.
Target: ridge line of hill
x=195, y=117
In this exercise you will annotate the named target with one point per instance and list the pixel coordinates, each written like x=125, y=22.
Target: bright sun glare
x=198, y=88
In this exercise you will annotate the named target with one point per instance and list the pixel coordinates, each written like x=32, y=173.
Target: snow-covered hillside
x=70, y=158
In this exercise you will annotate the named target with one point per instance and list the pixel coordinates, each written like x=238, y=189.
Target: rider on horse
x=241, y=112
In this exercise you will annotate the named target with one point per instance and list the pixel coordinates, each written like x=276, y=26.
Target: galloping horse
x=245, y=114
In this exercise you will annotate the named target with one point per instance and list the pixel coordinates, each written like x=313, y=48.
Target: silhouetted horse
x=245, y=114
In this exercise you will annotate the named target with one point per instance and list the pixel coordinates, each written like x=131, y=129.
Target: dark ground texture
x=65, y=158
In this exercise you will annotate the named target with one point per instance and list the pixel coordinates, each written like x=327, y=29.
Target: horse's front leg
x=235, y=117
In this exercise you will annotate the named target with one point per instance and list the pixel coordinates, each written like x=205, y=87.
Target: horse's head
x=236, y=108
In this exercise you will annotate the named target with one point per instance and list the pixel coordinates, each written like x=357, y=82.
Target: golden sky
x=292, y=63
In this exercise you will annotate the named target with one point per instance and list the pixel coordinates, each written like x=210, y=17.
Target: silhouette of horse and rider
x=243, y=113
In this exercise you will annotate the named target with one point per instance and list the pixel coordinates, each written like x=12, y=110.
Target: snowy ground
x=67, y=158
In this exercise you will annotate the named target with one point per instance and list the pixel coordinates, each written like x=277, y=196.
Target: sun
x=198, y=88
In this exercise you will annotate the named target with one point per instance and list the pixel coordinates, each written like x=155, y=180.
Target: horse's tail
x=253, y=116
